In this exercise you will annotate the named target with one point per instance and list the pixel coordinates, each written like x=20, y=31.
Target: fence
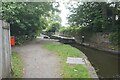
x=5, y=50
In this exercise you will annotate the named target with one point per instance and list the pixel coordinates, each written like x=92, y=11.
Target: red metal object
x=12, y=41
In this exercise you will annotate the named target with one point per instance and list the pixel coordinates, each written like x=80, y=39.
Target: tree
x=95, y=16
x=53, y=28
x=54, y=23
x=27, y=19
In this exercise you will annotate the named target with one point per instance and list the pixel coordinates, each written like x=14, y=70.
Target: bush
x=115, y=38
x=24, y=38
x=69, y=31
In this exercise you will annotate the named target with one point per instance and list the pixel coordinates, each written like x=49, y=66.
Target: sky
x=64, y=11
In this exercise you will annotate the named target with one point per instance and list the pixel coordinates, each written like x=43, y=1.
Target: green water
x=105, y=63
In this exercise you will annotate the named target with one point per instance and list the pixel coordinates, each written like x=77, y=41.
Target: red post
x=12, y=41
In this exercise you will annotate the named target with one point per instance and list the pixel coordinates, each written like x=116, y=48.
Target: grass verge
x=64, y=51
x=17, y=65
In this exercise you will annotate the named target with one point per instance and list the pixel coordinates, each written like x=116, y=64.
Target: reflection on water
x=105, y=63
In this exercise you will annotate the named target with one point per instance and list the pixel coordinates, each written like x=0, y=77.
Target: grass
x=17, y=65
x=69, y=71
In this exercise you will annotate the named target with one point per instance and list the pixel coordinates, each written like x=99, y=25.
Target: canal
x=105, y=63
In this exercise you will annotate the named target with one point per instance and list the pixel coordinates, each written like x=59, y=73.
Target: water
x=105, y=63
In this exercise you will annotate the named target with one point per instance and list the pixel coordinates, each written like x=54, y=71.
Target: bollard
x=12, y=41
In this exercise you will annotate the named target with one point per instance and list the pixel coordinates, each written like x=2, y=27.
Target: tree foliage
x=53, y=28
x=26, y=19
x=97, y=17
x=69, y=31
x=54, y=23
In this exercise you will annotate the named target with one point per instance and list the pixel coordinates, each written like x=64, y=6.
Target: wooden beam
x=1, y=49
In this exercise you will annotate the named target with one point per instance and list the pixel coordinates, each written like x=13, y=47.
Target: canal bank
x=88, y=65
x=94, y=46
x=68, y=70
x=99, y=40
x=105, y=63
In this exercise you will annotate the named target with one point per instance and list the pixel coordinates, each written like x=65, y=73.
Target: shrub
x=24, y=38
x=69, y=31
x=115, y=38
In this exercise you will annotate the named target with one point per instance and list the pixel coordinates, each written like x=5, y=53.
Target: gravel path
x=39, y=62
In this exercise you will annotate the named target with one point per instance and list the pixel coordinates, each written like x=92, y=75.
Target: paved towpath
x=39, y=62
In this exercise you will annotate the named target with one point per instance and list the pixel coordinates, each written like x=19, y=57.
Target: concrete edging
x=90, y=68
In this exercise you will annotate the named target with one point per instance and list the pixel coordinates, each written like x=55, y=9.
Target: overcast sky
x=65, y=11
x=63, y=14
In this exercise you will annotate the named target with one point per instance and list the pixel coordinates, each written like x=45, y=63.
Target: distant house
x=5, y=50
